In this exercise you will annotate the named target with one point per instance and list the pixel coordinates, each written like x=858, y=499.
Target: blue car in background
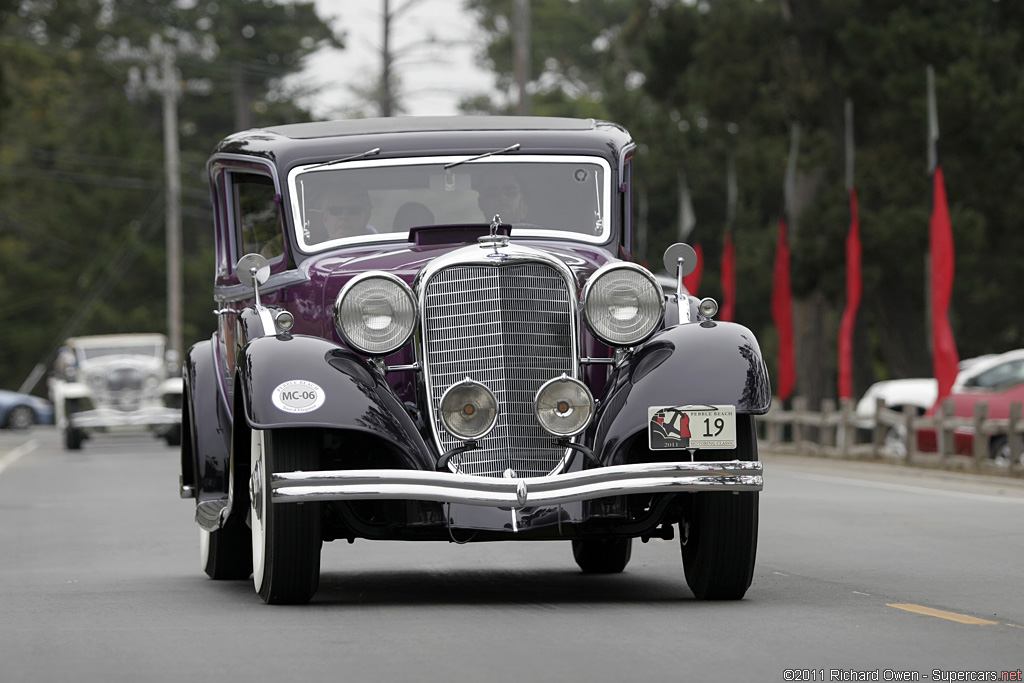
x=21, y=411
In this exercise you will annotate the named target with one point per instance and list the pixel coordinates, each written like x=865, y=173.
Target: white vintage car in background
x=117, y=383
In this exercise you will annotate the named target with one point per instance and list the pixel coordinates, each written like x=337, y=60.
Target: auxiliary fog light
x=564, y=406
x=708, y=308
x=469, y=409
x=284, y=321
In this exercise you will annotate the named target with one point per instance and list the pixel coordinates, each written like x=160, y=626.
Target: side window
x=258, y=215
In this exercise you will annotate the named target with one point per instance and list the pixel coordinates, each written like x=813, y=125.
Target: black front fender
x=206, y=426
x=706, y=363
x=299, y=381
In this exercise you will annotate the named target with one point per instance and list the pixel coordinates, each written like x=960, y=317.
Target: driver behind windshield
x=346, y=212
x=501, y=193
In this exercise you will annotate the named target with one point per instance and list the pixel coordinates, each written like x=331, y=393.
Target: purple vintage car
x=431, y=329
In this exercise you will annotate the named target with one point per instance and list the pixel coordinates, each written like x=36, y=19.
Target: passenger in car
x=412, y=214
x=346, y=213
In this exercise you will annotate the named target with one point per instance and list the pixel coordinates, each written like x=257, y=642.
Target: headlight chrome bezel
x=651, y=296
x=356, y=336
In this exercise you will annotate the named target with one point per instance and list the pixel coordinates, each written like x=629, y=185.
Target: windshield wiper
x=510, y=148
x=362, y=155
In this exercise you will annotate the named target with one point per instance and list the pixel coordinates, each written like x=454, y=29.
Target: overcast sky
x=433, y=79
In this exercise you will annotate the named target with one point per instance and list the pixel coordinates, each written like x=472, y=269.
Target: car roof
x=291, y=144
x=410, y=124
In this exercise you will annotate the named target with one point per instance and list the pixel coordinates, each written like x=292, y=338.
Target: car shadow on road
x=496, y=587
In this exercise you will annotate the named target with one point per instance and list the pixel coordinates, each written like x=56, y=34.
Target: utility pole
x=170, y=91
x=385, y=71
x=521, y=40
x=163, y=77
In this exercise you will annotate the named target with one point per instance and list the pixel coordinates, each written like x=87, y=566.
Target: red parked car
x=999, y=399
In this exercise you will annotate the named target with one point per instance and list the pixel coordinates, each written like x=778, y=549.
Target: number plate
x=691, y=427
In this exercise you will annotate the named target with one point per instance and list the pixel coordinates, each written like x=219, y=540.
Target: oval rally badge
x=298, y=396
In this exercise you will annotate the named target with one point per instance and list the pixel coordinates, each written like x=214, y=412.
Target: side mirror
x=253, y=270
x=680, y=260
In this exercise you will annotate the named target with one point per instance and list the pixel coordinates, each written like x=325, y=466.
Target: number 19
x=718, y=425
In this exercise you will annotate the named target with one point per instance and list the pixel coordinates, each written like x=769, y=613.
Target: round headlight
x=622, y=304
x=469, y=409
x=564, y=406
x=375, y=313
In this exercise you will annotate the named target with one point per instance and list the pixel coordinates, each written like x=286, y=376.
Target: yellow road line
x=942, y=614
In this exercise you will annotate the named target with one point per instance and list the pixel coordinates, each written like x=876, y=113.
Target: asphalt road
x=863, y=570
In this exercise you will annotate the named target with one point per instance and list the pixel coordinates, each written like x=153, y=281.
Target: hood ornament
x=493, y=239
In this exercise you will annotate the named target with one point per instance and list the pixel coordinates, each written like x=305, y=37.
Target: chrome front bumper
x=446, y=487
x=143, y=417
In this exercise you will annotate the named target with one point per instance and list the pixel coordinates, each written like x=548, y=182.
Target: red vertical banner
x=782, y=314
x=945, y=359
x=728, y=312
x=692, y=281
x=853, y=291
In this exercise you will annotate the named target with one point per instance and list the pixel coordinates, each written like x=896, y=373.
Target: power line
x=91, y=159
x=75, y=177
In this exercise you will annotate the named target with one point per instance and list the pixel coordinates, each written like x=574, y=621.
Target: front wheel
x=73, y=438
x=21, y=417
x=896, y=440
x=999, y=452
x=285, y=536
x=718, y=533
x=719, y=543
x=602, y=555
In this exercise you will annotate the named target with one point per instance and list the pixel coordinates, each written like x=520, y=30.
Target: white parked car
x=918, y=392
x=117, y=383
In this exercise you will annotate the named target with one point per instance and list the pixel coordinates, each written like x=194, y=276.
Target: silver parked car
x=117, y=383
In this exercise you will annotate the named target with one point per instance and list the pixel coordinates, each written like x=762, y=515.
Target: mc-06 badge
x=676, y=427
x=298, y=396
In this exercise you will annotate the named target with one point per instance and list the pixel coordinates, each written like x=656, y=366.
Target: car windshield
x=94, y=352
x=376, y=200
x=1001, y=376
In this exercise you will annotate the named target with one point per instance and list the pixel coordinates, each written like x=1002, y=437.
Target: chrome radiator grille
x=120, y=388
x=510, y=328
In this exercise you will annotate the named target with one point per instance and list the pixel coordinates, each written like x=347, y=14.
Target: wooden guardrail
x=835, y=431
